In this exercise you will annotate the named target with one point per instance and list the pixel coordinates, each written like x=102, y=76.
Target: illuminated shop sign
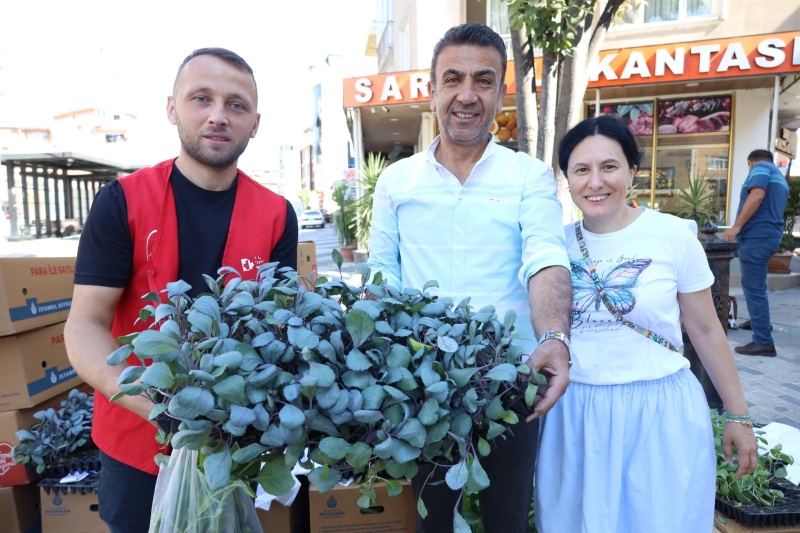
x=759, y=55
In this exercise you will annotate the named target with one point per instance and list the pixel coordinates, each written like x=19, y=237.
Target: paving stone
x=743, y=368
x=788, y=421
x=792, y=386
x=791, y=399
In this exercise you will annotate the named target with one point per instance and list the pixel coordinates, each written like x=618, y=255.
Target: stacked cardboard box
x=307, y=260
x=19, y=509
x=338, y=510
x=35, y=297
x=35, y=373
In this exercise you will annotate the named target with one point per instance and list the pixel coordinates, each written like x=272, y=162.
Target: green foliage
x=552, y=24
x=696, y=202
x=753, y=488
x=471, y=511
x=58, y=434
x=373, y=168
x=344, y=220
x=371, y=379
x=305, y=197
x=790, y=214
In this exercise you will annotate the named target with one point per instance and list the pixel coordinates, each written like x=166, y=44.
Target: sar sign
x=760, y=55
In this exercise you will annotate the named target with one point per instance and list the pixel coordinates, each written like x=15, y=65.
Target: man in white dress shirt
x=484, y=222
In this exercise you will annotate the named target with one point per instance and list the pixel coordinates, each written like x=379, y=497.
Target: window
x=404, y=48
x=671, y=11
x=493, y=13
x=497, y=19
x=41, y=136
x=498, y=16
x=691, y=137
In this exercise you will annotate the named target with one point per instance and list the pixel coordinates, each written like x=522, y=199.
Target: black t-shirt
x=105, y=251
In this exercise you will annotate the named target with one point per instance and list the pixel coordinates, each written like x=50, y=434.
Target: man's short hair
x=470, y=34
x=760, y=155
x=227, y=56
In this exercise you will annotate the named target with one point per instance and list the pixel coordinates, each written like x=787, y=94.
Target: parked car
x=327, y=215
x=311, y=218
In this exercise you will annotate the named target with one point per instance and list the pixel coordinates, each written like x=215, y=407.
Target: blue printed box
x=34, y=292
x=34, y=367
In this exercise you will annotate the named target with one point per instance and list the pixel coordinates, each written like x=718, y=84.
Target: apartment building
x=700, y=82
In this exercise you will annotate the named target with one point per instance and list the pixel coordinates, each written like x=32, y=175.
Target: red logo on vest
x=248, y=265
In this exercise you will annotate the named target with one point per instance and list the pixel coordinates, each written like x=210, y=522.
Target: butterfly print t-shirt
x=642, y=268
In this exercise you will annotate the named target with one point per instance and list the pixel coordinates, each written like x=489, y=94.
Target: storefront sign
x=760, y=55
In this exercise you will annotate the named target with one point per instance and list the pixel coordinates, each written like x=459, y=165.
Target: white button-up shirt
x=483, y=239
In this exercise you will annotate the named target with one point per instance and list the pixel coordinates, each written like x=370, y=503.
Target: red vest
x=257, y=224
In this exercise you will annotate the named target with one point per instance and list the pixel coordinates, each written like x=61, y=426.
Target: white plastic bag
x=184, y=503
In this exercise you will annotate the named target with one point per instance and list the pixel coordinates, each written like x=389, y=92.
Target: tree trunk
x=546, y=135
x=525, y=75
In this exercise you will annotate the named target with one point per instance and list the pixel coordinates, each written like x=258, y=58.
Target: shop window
x=654, y=11
x=638, y=117
x=679, y=165
x=691, y=139
x=698, y=115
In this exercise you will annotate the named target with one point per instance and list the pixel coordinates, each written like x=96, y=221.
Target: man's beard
x=217, y=159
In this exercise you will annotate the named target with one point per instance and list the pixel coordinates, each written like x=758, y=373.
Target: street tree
x=569, y=34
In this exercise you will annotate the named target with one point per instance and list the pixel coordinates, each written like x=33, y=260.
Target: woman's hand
x=744, y=439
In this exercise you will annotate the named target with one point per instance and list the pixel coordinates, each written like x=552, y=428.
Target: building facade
x=701, y=83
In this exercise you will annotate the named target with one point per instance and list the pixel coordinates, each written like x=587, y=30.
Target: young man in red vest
x=179, y=219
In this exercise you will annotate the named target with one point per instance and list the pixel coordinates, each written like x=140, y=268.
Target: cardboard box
x=34, y=292
x=12, y=473
x=279, y=518
x=19, y=509
x=307, y=260
x=34, y=367
x=71, y=513
x=337, y=511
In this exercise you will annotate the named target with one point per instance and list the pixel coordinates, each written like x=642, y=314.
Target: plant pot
x=347, y=253
x=779, y=263
x=360, y=256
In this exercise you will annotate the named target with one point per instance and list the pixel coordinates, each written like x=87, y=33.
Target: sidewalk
x=772, y=384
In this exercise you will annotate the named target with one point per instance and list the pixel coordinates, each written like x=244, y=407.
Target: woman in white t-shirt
x=629, y=447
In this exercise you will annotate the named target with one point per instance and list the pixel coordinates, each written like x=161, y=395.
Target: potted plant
x=763, y=497
x=370, y=379
x=58, y=434
x=373, y=167
x=344, y=221
x=780, y=261
x=696, y=202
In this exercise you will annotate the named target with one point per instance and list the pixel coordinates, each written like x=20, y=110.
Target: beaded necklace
x=655, y=337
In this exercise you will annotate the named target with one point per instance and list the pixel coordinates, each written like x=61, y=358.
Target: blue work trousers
x=754, y=256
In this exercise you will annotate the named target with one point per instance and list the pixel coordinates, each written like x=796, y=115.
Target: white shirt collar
x=490, y=147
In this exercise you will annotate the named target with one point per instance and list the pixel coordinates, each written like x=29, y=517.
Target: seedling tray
x=785, y=512
x=87, y=485
x=86, y=461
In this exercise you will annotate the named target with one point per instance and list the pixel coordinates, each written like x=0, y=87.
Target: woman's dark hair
x=610, y=127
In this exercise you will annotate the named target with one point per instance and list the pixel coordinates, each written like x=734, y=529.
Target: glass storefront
x=689, y=141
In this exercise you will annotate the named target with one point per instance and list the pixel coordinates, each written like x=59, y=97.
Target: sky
x=58, y=56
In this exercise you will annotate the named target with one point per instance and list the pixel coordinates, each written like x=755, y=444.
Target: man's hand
x=730, y=235
x=551, y=359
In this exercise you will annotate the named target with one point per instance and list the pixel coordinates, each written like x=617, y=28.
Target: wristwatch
x=558, y=336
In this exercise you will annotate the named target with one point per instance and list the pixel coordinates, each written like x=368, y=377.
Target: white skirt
x=632, y=458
